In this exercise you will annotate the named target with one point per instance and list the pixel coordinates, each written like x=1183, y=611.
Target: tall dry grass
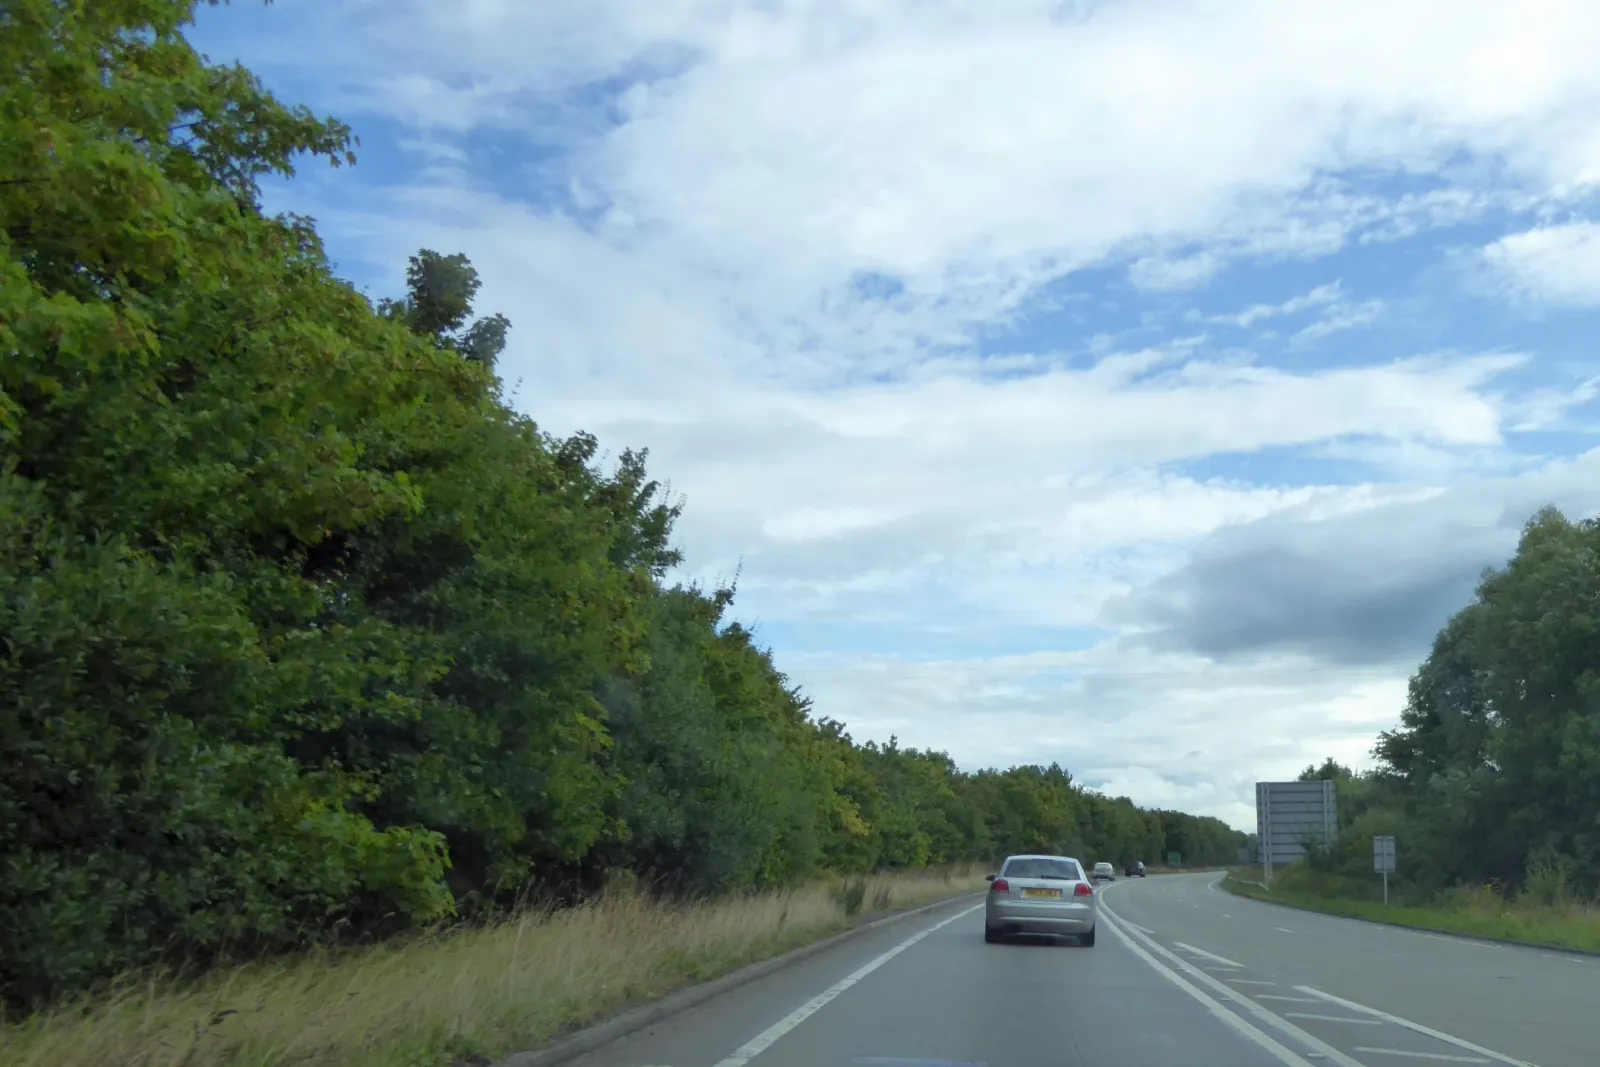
x=466, y=996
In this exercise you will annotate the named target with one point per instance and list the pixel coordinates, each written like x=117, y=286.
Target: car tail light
x=1000, y=885
x=1083, y=889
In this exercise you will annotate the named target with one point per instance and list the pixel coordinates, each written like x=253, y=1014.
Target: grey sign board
x=1290, y=816
x=1383, y=855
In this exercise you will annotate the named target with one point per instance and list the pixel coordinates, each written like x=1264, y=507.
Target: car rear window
x=1043, y=868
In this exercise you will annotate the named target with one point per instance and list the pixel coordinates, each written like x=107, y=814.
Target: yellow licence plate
x=1041, y=894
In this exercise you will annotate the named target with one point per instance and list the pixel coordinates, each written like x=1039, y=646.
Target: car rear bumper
x=1017, y=918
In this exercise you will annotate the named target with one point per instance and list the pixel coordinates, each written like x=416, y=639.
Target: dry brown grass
x=464, y=996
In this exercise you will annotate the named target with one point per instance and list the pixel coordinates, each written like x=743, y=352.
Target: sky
x=1134, y=384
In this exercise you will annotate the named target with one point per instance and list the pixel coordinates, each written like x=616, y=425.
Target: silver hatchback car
x=1040, y=895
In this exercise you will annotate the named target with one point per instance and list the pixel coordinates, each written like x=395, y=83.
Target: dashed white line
x=1250, y=981
x=762, y=1041
x=1423, y=1055
x=1332, y=1018
x=1418, y=1027
x=1295, y=1000
x=1281, y=930
x=1191, y=950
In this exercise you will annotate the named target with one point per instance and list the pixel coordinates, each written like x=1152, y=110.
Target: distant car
x=1040, y=895
x=1135, y=869
x=1104, y=870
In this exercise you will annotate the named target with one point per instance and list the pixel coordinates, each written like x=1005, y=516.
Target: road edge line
x=1401, y=1021
x=768, y=1037
x=603, y=1032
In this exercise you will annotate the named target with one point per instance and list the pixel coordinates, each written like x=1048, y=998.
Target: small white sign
x=1383, y=855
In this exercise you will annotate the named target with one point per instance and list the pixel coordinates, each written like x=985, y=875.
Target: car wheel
x=1087, y=940
x=990, y=936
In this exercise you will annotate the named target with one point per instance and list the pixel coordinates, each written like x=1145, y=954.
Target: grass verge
x=462, y=997
x=1470, y=912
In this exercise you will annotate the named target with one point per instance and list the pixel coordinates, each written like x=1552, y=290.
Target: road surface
x=1182, y=974
x=1514, y=1003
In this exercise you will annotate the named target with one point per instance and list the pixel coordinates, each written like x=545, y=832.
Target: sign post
x=1291, y=815
x=1383, y=861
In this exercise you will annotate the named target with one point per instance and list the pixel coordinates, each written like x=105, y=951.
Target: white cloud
x=1167, y=730
x=1320, y=297
x=976, y=153
x=1552, y=264
x=1334, y=311
x=1551, y=408
x=1200, y=724
x=1170, y=275
x=1339, y=318
x=767, y=240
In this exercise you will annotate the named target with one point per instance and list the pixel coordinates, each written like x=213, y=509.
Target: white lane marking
x=1191, y=950
x=1285, y=1056
x=1249, y=981
x=1423, y=1055
x=1142, y=930
x=762, y=1041
x=1418, y=1027
x=1296, y=1000
x=1277, y=1022
x=1332, y=1018
x=1281, y=930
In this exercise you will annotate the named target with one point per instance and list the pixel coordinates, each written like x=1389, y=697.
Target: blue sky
x=1135, y=384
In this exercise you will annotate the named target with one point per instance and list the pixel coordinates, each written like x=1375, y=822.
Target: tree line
x=1492, y=776
x=305, y=632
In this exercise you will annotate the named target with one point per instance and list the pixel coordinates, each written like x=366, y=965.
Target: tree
x=1496, y=759
x=438, y=304
x=306, y=633
x=186, y=397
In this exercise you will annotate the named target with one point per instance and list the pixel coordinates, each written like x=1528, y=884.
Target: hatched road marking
x=1212, y=956
x=1450, y=1039
x=1423, y=1055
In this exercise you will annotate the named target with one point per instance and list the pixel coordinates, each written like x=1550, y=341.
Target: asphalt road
x=1183, y=974
x=1368, y=993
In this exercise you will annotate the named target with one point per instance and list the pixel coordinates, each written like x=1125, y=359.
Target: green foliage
x=1492, y=776
x=305, y=633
